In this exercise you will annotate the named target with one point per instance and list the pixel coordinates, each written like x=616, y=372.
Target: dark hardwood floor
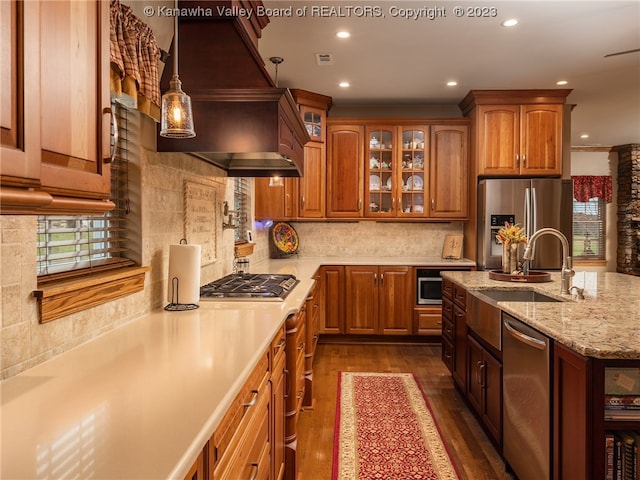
x=472, y=452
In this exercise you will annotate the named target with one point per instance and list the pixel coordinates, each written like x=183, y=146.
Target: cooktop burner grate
x=248, y=286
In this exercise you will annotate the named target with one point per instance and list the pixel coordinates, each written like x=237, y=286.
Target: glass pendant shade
x=176, y=115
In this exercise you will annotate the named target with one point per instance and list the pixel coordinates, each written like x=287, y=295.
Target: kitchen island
x=591, y=358
x=141, y=401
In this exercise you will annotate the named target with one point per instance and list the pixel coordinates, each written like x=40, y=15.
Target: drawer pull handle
x=256, y=470
x=253, y=400
x=283, y=342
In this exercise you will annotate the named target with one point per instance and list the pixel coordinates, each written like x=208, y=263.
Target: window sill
x=589, y=263
x=63, y=298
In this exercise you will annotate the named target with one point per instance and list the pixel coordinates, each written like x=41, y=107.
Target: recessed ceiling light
x=343, y=34
x=512, y=22
x=344, y=84
x=584, y=135
x=452, y=83
x=561, y=82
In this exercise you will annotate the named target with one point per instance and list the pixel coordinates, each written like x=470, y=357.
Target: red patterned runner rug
x=385, y=431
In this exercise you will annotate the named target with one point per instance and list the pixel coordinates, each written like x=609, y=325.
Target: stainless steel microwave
x=428, y=287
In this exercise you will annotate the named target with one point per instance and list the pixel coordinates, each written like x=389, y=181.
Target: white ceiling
x=399, y=61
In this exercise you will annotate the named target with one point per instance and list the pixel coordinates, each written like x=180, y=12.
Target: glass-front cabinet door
x=412, y=166
x=380, y=181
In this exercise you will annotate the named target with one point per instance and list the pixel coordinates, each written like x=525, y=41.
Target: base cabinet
x=484, y=388
x=332, y=299
x=295, y=348
x=380, y=300
x=581, y=428
x=454, y=331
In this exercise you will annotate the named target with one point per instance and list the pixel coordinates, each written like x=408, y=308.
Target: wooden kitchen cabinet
x=278, y=410
x=75, y=108
x=579, y=422
x=240, y=445
x=455, y=331
x=332, y=299
x=484, y=387
x=275, y=199
x=56, y=135
x=295, y=326
x=380, y=300
x=427, y=320
x=312, y=185
x=448, y=189
x=312, y=335
x=517, y=132
x=345, y=170
x=396, y=167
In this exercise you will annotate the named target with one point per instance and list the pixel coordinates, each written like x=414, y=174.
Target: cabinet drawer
x=459, y=295
x=239, y=413
x=249, y=455
x=447, y=287
x=278, y=347
x=447, y=329
x=428, y=320
x=447, y=308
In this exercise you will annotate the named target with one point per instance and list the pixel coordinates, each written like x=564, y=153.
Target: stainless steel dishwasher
x=526, y=384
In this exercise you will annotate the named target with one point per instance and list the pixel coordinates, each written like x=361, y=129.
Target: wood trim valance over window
x=586, y=187
x=134, y=56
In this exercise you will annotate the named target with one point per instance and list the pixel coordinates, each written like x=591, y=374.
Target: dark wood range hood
x=244, y=123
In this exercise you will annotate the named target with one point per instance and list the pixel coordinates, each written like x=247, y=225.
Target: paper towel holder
x=174, y=305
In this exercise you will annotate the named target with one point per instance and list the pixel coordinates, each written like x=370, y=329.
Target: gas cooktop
x=249, y=286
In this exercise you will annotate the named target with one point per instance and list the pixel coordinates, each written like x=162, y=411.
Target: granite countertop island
x=141, y=401
x=606, y=324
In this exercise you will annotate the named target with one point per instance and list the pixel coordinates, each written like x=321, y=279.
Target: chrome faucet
x=567, y=264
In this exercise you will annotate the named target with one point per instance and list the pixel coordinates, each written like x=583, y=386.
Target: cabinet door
x=448, y=172
x=541, y=139
x=312, y=185
x=498, y=139
x=75, y=118
x=362, y=300
x=412, y=169
x=475, y=367
x=492, y=396
x=396, y=294
x=344, y=171
x=381, y=185
x=274, y=200
x=19, y=113
x=332, y=305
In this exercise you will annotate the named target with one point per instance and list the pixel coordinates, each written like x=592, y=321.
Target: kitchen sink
x=501, y=295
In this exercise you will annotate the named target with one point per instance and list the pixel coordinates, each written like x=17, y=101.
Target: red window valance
x=586, y=187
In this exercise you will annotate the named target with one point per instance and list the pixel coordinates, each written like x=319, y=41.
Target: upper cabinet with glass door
x=412, y=167
x=381, y=188
x=396, y=171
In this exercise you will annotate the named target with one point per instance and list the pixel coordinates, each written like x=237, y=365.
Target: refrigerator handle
x=527, y=212
x=534, y=208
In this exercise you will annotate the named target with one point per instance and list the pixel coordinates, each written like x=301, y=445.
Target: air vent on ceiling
x=324, y=59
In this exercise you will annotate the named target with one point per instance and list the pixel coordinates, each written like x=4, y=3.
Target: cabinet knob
x=517, y=160
x=433, y=203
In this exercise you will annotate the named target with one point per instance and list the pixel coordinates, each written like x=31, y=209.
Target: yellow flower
x=511, y=234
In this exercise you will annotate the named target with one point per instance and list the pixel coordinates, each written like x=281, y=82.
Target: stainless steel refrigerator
x=533, y=204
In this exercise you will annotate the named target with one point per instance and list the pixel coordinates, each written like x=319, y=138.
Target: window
x=241, y=207
x=589, y=227
x=77, y=244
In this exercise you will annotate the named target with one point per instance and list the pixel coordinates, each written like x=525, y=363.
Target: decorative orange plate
x=285, y=238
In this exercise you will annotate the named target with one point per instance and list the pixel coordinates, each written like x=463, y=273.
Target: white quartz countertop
x=141, y=401
x=606, y=324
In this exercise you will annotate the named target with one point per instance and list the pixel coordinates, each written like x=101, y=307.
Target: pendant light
x=176, y=115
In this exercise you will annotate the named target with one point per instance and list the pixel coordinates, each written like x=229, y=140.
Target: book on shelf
x=622, y=402
x=621, y=455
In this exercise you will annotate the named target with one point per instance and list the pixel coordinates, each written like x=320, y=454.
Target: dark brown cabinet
x=454, y=332
x=579, y=422
x=295, y=326
x=332, y=299
x=484, y=387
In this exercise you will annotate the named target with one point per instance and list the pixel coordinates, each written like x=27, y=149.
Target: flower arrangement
x=511, y=234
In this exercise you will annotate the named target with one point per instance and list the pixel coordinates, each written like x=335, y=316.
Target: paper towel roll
x=184, y=265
